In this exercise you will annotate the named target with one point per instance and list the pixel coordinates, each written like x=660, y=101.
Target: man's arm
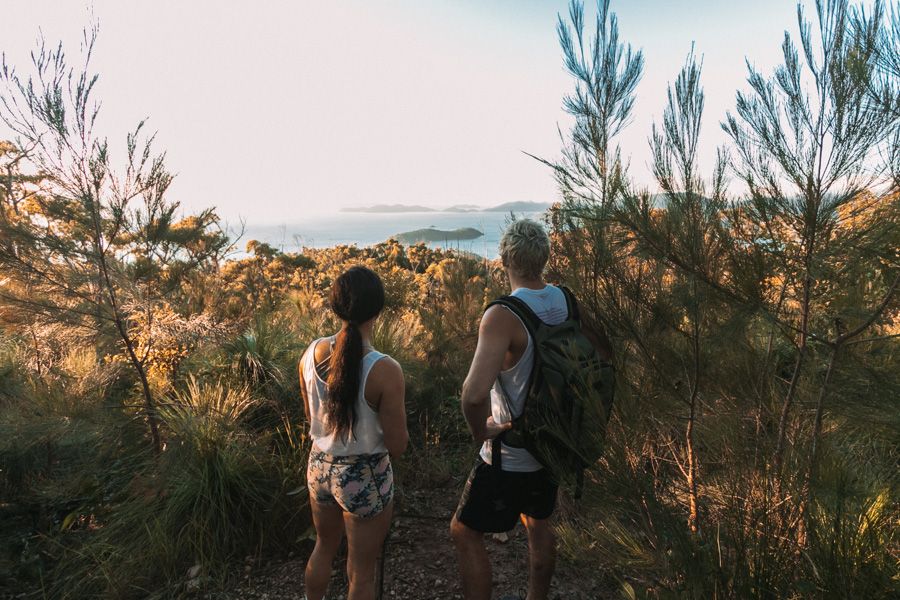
x=493, y=341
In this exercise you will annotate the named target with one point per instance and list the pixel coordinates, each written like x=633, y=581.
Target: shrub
x=219, y=492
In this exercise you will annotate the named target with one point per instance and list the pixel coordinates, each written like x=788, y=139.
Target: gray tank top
x=367, y=436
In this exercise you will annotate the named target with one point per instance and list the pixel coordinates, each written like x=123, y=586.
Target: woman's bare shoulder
x=387, y=368
x=322, y=349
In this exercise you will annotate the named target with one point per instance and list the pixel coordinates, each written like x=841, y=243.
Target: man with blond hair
x=493, y=395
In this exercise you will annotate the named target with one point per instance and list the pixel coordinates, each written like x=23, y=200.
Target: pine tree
x=740, y=313
x=90, y=245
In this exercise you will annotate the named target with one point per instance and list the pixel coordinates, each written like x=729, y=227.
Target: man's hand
x=492, y=428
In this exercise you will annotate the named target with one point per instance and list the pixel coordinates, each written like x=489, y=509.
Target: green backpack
x=569, y=398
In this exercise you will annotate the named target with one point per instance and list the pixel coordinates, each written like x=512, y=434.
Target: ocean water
x=365, y=229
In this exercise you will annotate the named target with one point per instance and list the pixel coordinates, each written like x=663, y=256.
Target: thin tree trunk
x=762, y=377
x=149, y=405
x=837, y=343
x=693, y=517
x=693, y=497
x=806, y=492
x=37, y=352
x=778, y=458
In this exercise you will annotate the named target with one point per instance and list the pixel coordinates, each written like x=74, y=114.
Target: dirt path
x=421, y=564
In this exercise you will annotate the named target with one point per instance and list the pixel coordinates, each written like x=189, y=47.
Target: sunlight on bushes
x=152, y=434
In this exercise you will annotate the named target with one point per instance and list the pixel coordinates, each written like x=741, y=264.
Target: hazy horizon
x=273, y=112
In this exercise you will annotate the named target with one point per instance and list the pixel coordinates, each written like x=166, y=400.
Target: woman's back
x=367, y=435
x=354, y=400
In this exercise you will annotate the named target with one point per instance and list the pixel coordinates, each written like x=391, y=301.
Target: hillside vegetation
x=151, y=432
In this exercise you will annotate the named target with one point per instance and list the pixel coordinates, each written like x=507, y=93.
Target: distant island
x=460, y=208
x=430, y=234
x=389, y=208
x=464, y=208
x=519, y=207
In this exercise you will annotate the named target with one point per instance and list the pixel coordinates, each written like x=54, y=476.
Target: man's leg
x=541, y=557
x=474, y=564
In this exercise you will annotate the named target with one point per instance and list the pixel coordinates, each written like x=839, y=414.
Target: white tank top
x=367, y=436
x=549, y=304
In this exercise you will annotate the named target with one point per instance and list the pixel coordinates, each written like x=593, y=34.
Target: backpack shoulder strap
x=571, y=303
x=520, y=309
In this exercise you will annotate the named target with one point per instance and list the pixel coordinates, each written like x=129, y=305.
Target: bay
x=366, y=229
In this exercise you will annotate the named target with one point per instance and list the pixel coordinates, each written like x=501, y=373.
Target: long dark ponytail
x=356, y=296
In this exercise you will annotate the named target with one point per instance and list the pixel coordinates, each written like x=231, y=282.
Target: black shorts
x=492, y=505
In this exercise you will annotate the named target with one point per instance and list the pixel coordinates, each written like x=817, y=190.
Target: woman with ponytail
x=354, y=401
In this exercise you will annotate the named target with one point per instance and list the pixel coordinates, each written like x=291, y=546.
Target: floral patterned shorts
x=362, y=485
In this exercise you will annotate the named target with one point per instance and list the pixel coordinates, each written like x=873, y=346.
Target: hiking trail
x=421, y=563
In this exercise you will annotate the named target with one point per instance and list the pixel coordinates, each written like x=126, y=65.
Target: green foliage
x=259, y=354
x=220, y=485
x=82, y=242
x=754, y=443
x=752, y=452
x=118, y=523
x=11, y=371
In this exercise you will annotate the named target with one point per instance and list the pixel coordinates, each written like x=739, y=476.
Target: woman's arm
x=391, y=404
x=303, y=387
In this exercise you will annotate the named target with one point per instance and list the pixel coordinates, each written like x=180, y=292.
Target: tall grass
x=89, y=512
x=632, y=521
x=262, y=356
x=218, y=493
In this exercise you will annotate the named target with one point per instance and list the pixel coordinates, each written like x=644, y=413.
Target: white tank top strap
x=368, y=361
x=309, y=361
x=309, y=357
x=526, y=354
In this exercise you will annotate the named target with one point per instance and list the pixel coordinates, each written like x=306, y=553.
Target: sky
x=273, y=110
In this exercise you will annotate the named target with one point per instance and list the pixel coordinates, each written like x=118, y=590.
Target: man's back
x=549, y=304
x=495, y=500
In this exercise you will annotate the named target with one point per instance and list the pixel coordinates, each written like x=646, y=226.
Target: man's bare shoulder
x=498, y=320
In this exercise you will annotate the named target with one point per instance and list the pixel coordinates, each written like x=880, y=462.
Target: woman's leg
x=329, y=522
x=365, y=537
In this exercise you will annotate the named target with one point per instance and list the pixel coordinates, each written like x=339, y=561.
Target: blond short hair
x=525, y=248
